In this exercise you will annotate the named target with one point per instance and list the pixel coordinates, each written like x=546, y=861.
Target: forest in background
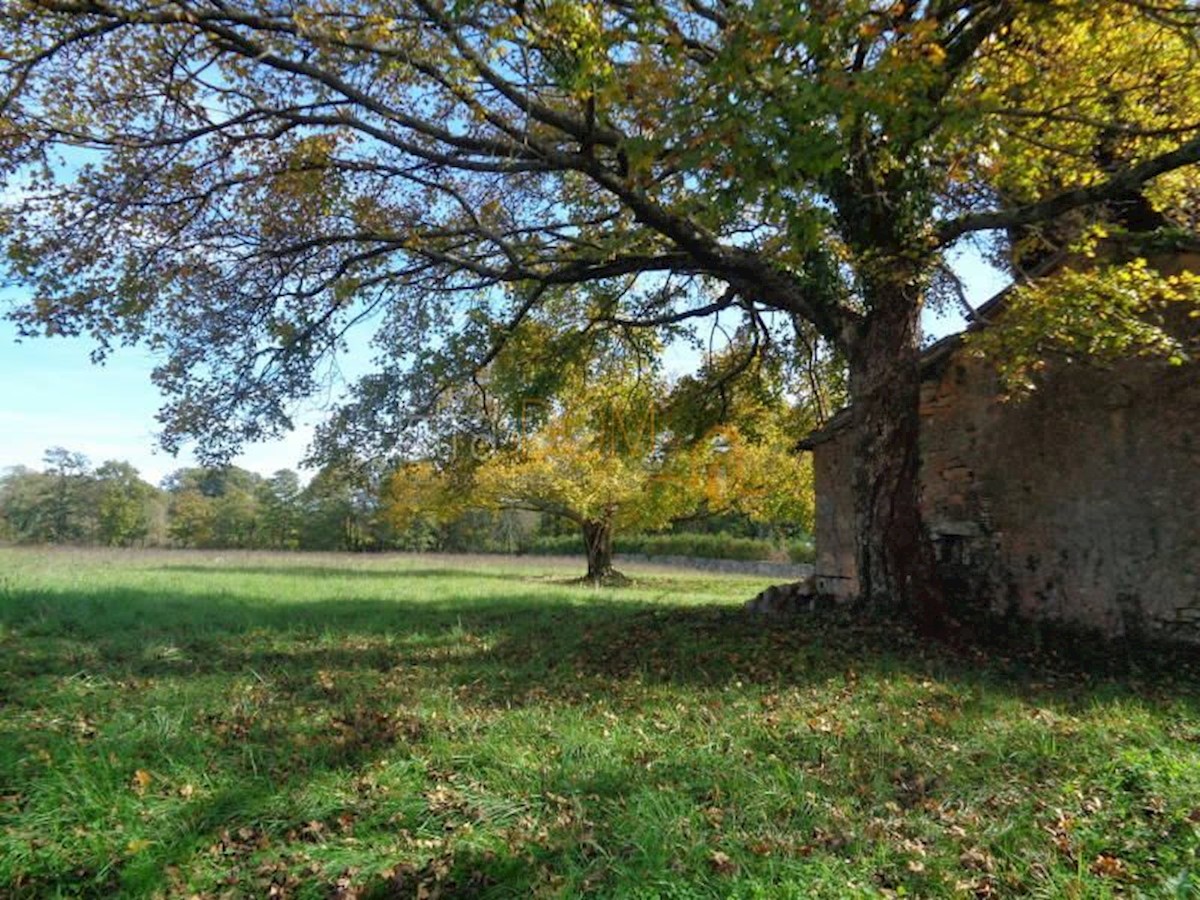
x=73, y=502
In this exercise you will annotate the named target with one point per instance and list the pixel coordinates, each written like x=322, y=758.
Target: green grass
x=237, y=725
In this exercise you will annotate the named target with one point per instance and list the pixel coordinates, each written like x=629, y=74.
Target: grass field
x=277, y=726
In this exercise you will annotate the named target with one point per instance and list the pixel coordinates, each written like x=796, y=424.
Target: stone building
x=1079, y=503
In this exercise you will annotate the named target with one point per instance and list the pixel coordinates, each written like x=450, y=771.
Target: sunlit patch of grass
x=256, y=724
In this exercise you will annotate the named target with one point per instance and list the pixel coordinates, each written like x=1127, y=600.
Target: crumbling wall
x=834, y=567
x=1079, y=503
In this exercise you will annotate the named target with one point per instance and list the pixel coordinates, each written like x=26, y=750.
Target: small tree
x=603, y=456
x=586, y=465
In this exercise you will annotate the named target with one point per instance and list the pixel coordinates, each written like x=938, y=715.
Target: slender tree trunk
x=896, y=562
x=597, y=539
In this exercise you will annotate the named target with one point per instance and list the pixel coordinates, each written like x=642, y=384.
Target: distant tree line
x=71, y=502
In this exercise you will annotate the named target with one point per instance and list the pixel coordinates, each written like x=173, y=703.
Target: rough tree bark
x=895, y=556
x=597, y=539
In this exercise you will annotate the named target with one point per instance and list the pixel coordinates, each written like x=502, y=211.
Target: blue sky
x=52, y=395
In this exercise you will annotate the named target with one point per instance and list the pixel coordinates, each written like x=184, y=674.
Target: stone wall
x=834, y=516
x=1079, y=503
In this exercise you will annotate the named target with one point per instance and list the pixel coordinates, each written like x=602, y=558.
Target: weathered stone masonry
x=1079, y=503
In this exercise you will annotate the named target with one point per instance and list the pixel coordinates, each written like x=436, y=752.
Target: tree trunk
x=895, y=558
x=597, y=539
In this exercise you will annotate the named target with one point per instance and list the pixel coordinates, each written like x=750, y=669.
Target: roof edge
x=931, y=356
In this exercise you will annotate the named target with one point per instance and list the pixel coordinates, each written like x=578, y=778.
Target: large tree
x=241, y=182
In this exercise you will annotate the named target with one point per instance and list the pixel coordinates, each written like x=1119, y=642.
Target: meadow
x=273, y=725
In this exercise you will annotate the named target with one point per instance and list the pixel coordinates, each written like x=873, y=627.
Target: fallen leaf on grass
x=1108, y=866
x=981, y=889
x=242, y=842
x=434, y=879
x=140, y=781
x=715, y=816
x=721, y=863
x=345, y=888
x=977, y=859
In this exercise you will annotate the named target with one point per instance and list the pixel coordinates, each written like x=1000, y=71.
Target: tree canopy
x=241, y=182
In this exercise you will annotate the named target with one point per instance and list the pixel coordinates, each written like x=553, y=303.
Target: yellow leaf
x=141, y=780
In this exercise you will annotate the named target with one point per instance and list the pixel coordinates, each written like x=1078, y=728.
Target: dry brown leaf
x=721, y=863
x=1108, y=866
x=140, y=781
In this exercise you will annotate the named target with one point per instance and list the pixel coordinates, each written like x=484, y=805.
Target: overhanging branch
x=1053, y=207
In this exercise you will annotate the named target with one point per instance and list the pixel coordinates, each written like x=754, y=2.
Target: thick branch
x=1053, y=207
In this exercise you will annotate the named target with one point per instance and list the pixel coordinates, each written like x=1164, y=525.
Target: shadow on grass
x=526, y=629
x=524, y=638
x=516, y=647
